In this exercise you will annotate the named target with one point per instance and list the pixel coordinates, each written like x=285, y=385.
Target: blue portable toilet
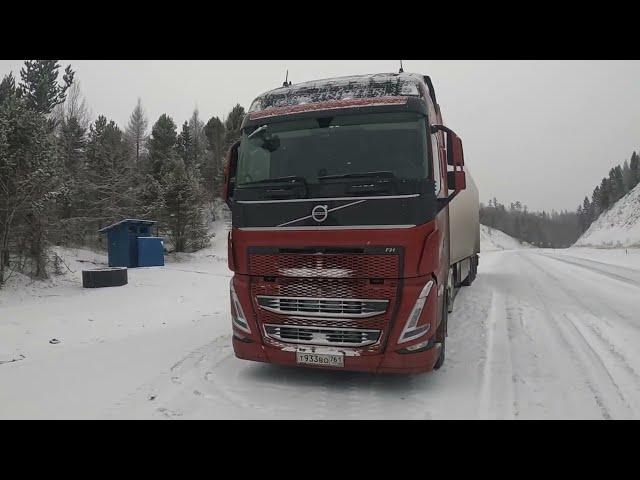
x=123, y=245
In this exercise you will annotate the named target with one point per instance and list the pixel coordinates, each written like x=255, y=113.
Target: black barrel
x=104, y=277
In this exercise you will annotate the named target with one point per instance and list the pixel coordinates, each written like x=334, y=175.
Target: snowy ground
x=540, y=334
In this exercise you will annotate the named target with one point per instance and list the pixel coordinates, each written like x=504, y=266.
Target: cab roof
x=372, y=86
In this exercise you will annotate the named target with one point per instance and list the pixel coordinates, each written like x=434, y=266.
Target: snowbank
x=617, y=227
x=492, y=239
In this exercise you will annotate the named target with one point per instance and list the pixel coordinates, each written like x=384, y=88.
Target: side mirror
x=455, y=155
x=456, y=180
x=230, y=173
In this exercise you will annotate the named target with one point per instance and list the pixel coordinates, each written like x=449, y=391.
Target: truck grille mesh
x=325, y=288
x=325, y=265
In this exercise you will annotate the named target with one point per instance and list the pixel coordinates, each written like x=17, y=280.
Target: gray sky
x=542, y=132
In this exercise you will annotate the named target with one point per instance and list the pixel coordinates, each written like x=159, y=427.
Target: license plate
x=325, y=359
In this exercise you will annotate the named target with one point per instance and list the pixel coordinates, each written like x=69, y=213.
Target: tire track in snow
x=485, y=385
x=569, y=349
x=581, y=352
x=603, y=347
x=630, y=321
x=607, y=272
x=598, y=358
x=514, y=327
x=497, y=387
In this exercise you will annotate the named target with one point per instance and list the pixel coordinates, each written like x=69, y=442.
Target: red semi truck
x=354, y=222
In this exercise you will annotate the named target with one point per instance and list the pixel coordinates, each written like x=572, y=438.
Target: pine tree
x=198, y=139
x=8, y=88
x=136, y=133
x=596, y=203
x=604, y=195
x=40, y=87
x=162, y=145
x=634, y=166
x=184, y=146
x=627, y=177
x=581, y=217
x=72, y=147
x=214, y=131
x=232, y=125
x=587, y=211
x=619, y=182
x=109, y=178
x=182, y=212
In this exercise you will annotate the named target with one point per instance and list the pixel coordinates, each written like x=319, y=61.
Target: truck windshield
x=348, y=148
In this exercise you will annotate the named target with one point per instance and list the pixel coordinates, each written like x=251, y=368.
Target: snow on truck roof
x=352, y=90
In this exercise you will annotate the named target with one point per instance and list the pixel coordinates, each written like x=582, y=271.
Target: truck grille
x=347, y=337
x=323, y=307
x=325, y=265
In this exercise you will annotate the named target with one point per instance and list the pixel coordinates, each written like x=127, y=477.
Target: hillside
x=492, y=239
x=617, y=227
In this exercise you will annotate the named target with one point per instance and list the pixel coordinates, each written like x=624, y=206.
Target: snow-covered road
x=540, y=334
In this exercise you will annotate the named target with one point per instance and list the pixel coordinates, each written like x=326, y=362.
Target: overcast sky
x=542, y=132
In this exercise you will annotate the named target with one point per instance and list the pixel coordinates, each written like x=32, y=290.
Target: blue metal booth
x=130, y=244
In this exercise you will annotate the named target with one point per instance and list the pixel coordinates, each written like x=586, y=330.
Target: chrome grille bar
x=347, y=337
x=323, y=307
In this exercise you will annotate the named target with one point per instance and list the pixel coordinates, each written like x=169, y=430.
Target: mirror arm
x=438, y=128
x=443, y=202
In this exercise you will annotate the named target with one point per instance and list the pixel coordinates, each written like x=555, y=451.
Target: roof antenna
x=401, y=70
x=285, y=84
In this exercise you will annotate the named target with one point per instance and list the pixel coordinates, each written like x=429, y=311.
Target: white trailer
x=464, y=233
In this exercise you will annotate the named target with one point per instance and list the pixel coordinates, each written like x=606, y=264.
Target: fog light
x=417, y=346
x=411, y=331
x=238, y=317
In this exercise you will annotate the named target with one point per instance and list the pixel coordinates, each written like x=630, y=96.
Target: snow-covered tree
x=198, y=139
x=39, y=84
x=215, y=134
x=162, y=145
x=182, y=207
x=136, y=133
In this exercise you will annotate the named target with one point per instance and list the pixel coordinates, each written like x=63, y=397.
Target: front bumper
x=389, y=362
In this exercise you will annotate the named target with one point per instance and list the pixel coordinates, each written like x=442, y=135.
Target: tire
x=473, y=270
x=104, y=277
x=441, y=333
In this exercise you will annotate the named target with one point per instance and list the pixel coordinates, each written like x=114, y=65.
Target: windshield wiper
x=377, y=174
x=281, y=187
x=258, y=130
x=289, y=179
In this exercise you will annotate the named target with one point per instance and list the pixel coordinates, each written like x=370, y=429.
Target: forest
x=62, y=176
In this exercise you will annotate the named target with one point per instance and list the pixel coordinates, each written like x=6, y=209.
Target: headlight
x=239, y=319
x=411, y=331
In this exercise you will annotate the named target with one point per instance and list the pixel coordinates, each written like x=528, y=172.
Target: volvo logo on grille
x=320, y=213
